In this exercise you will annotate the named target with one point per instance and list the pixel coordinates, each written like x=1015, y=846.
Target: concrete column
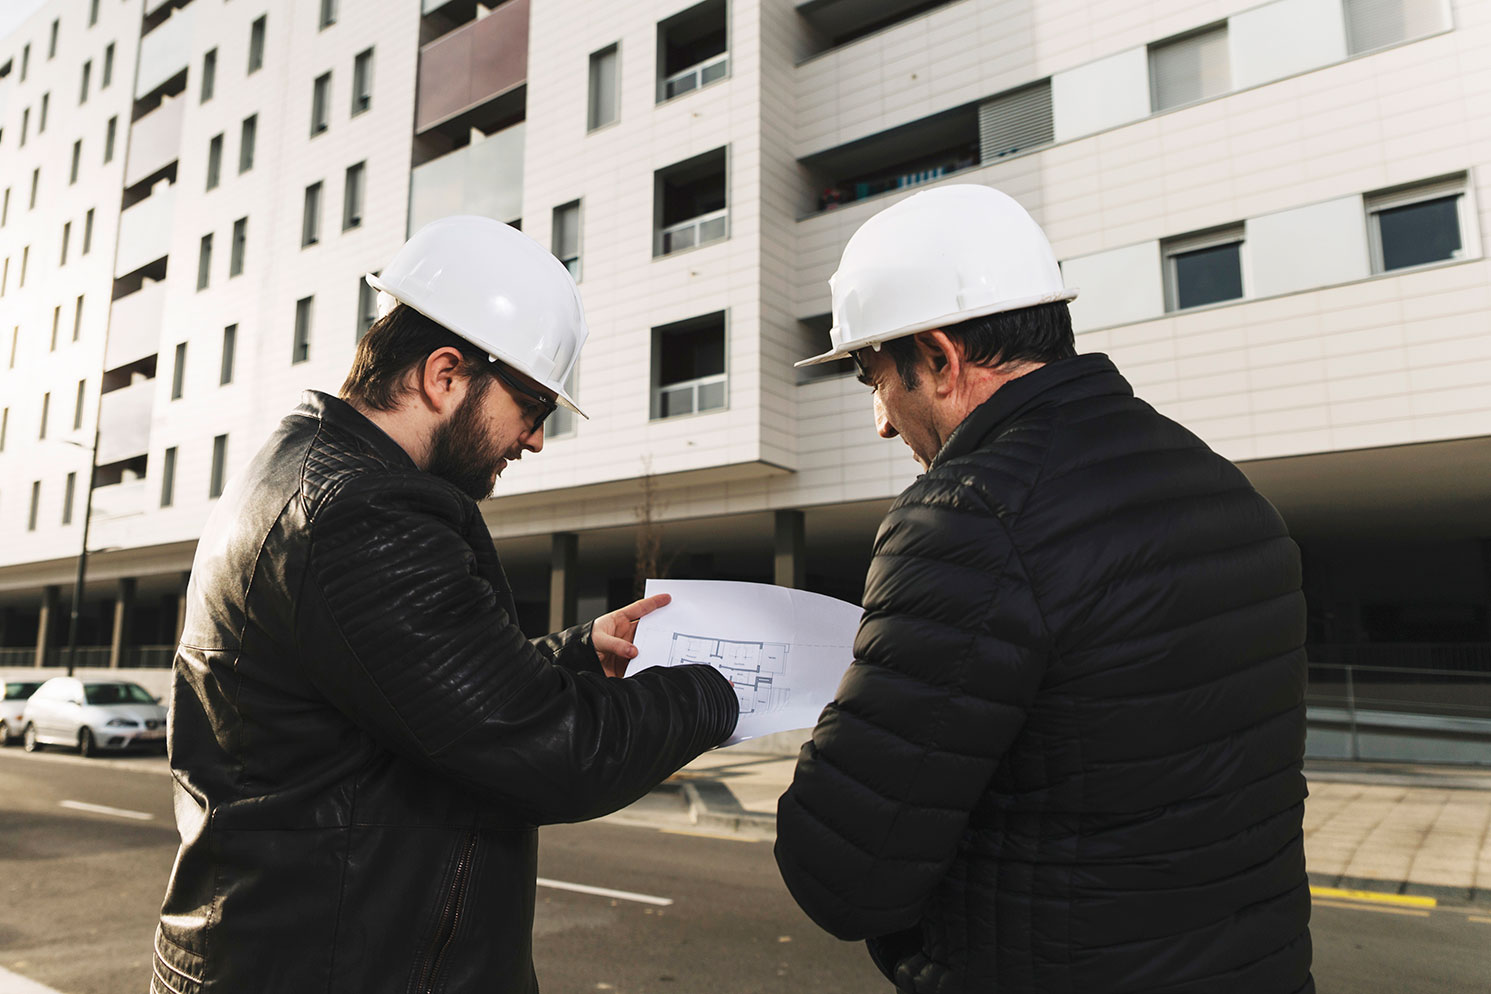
x=181, y=606
x=49, y=597
x=564, y=581
x=791, y=550
x=124, y=607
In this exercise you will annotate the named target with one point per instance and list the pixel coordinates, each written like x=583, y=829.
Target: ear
x=942, y=356
x=442, y=386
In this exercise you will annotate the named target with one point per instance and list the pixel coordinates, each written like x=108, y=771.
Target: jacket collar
x=1059, y=382
x=335, y=411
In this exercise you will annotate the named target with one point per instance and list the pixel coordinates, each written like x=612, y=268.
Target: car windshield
x=116, y=693
x=20, y=691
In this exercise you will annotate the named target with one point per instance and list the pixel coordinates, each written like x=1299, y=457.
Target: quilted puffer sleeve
x=401, y=634
x=948, y=658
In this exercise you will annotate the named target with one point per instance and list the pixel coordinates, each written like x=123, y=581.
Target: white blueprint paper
x=783, y=650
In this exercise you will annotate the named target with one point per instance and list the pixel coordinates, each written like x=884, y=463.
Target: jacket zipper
x=450, y=917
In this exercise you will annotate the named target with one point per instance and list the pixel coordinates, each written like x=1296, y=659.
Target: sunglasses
x=546, y=405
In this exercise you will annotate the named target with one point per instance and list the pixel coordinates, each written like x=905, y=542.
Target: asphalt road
x=80, y=887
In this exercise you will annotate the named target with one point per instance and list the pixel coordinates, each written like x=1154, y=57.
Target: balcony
x=472, y=66
x=485, y=178
x=145, y=230
x=833, y=23
x=165, y=52
x=154, y=141
x=124, y=422
x=119, y=500
x=135, y=324
x=690, y=203
x=693, y=49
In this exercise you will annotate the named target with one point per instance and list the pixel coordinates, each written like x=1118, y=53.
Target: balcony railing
x=695, y=76
x=119, y=500
x=484, y=178
x=135, y=325
x=124, y=422
x=145, y=230
x=695, y=231
x=154, y=141
x=165, y=51
x=707, y=393
x=475, y=63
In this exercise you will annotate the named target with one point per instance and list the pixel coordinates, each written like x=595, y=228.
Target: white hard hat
x=499, y=290
x=936, y=258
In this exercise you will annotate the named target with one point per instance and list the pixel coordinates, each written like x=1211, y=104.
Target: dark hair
x=1042, y=333
x=396, y=343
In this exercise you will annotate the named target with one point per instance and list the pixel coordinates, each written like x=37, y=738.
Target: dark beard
x=462, y=453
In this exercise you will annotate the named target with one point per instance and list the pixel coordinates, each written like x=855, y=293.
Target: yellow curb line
x=1478, y=918
x=1376, y=909
x=1403, y=900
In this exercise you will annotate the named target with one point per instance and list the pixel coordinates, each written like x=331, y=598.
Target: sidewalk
x=1396, y=829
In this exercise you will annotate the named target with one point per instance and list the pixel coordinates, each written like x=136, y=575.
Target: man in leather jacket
x=362, y=740
x=1067, y=757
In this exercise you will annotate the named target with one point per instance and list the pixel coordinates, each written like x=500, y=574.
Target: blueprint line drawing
x=755, y=669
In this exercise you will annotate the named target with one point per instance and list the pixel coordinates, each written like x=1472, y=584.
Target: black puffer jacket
x=362, y=741
x=1067, y=758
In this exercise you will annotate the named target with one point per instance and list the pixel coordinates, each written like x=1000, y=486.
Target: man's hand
x=612, y=633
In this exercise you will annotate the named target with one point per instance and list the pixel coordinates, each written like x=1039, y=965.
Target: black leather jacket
x=363, y=742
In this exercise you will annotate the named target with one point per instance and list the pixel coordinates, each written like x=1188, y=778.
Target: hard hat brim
x=843, y=351
x=494, y=355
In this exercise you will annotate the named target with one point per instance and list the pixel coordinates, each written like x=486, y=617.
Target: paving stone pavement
x=1387, y=828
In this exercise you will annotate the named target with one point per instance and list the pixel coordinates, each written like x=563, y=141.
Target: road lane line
x=620, y=895
x=1403, y=900
x=1379, y=909
x=102, y=809
x=14, y=983
x=1478, y=918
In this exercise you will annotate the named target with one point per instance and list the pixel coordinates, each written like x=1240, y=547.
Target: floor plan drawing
x=756, y=669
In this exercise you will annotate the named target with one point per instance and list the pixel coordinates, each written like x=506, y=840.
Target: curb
x=1444, y=895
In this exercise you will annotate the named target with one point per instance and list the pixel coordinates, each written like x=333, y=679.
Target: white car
x=92, y=715
x=13, y=698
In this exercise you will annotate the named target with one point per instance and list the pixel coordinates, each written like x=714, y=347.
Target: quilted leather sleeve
x=571, y=649
x=948, y=658
x=402, y=634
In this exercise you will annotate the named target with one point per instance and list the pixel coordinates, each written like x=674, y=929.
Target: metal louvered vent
x=1015, y=122
x=1189, y=69
x=1373, y=24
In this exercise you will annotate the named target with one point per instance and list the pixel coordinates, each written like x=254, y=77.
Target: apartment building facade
x=1274, y=212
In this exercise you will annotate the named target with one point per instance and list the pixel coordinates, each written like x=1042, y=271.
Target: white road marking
x=14, y=983
x=620, y=895
x=101, y=809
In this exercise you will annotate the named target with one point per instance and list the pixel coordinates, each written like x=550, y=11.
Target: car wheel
x=86, y=745
x=29, y=740
x=4, y=733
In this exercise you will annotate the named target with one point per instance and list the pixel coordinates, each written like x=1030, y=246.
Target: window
x=25, y=61
x=566, y=237
x=1418, y=225
x=562, y=422
x=35, y=505
x=352, y=196
x=367, y=308
x=25, y=125
x=246, y=143
x=25, y=264
x=52, y=43
x=178, y=372
x=168, y=477
x=310, y=217
x=209, y=76
x=689, y=203
x=4, y=275
x=328, y=13
x=5, y=210
x=240, y=245
x=604, y=105
x=88, y=231
x=214, y=161
x=92, y=13
x=204, y=262
x=46, y=413
x=1374, y=24
x=46, y=102
x=1204, y=268
x=321, y=104
x=693, y=49
x=301, y=351
x=362, y=82
x=1189, y=68
x=109, y=139
x=230, y=346
x=68, y=492
x=83, y=88
x=77, y=160
x=4, y=427
x=219, y=466
x=56, y=326
x=688, y=366
x=77, y=410
x=108, y=76
x=77, y=319
x=1015, y=122
x=66, y=237
x=15, y=341
x=256, y=45
x=35, y=183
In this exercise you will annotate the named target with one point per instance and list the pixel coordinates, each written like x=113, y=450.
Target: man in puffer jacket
x=1067, y=757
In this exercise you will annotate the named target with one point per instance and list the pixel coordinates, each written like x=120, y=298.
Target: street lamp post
x=77, y=587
